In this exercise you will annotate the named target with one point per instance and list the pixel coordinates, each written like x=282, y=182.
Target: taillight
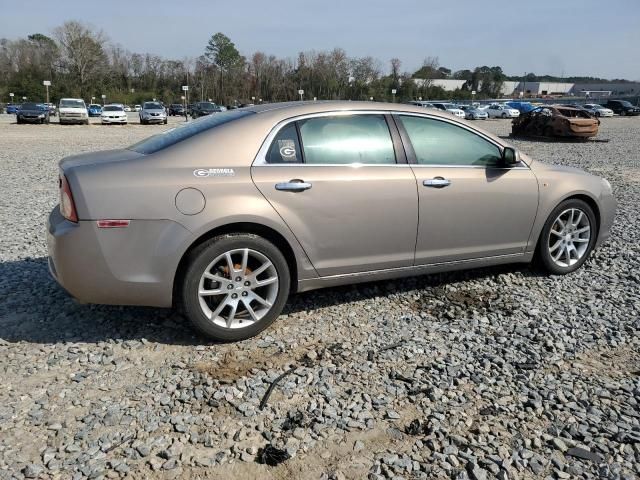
x=67, y=205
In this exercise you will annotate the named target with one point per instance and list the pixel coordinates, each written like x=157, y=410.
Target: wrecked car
x=556, y=121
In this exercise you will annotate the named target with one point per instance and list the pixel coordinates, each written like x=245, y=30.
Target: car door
x=470, y=206
x=335, y=181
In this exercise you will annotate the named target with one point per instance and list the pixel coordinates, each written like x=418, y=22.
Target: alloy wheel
x=569, y=237
x=238, y=288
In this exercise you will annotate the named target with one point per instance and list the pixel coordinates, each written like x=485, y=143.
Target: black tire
x=165, y=121
x=198, y=260
x=543, y=256
x=504, y=115
x=86, y=122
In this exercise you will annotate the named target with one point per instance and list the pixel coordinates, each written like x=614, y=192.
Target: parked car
x=522, y=107
x=201, y=109
x=33, y=113
x=501, y=111
x=421, y=103
x=176, y=109
x=153, y=112
x=622, y=107
x=73, y=110
x=598, y=110
x=52, y=109
x=114, y=113
x=242, y=218
x=556, y=121
x=137, y=108
x=12, y=108
x=127, y=108
x=449, y=107
x=474, y=113
x=94, y=110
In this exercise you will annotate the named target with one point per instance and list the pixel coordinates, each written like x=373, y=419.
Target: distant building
x=543, y=89
x=444, y=83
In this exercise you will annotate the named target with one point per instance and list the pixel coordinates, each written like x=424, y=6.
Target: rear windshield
x=187, y=130
x=113, y=108
x=152, y=106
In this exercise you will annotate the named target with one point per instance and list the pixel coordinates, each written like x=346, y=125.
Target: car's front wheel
x=568, y=237
x=234, y=286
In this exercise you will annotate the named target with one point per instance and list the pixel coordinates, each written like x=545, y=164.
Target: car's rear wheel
x=234, y=286
x=504, y=115
x=568, y=237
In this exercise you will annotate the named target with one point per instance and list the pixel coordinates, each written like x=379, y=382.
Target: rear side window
x=185, y=131
x=285, y=147
x=347, y=139
x=441, y=143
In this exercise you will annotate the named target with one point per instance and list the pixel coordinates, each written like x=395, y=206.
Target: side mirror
x=510, y=156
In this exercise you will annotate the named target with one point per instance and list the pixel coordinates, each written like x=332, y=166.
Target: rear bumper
x=119, y=266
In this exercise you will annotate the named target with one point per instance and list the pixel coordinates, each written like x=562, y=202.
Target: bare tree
x=82, y=54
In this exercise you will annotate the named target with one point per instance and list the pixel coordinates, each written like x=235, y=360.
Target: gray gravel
x=495, y=373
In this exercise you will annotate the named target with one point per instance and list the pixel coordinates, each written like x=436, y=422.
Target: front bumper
x=117, y=266
x=121, y=120
x=66, y=119
x=32, y=119
x=608, y=206
x=154, y=119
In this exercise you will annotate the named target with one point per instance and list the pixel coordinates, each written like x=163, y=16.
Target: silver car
x=153, y=112
x=226, y=216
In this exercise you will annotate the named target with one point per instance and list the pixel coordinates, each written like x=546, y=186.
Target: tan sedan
x=227, y=215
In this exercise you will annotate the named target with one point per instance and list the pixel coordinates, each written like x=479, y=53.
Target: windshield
x=71, y=103
x=152, y=106
x=187, y=130
x=112, y=108
x=624, y=103
x=32, y=106
x=93, y=105
x=208, y=106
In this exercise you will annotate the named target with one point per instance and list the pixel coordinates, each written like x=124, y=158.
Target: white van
x=73, y=110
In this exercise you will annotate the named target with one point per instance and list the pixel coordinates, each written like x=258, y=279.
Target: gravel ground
x=494, y=373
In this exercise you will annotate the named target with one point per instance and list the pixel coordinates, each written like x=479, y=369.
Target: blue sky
x=558, y=37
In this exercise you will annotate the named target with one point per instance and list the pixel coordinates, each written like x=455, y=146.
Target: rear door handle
x=293, y=186
x=437, y=182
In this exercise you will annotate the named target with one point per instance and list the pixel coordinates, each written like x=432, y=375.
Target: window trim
x=413, y=159
x=407, y=148
x=399, y=152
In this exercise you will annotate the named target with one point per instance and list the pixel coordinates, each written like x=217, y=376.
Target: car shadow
x=35, y=309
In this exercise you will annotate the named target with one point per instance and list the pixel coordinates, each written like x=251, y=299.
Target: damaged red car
x=555, y=121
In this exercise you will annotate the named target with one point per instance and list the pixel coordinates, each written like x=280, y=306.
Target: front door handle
x=293, y=186
x=437, y=182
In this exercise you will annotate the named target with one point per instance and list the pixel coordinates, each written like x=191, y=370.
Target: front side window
x=441, y=143
x=348, y=139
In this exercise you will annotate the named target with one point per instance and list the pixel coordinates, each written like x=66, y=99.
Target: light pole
x=185, y=89
x=11, y=97
x=253, y=100
x=393, y=92
x=301, y=93
x=47, y=84
x=104, y=99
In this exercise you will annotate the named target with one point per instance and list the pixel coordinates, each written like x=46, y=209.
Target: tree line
x=81, y=62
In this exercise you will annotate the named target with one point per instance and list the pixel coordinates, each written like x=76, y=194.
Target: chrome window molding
x=261, y=156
